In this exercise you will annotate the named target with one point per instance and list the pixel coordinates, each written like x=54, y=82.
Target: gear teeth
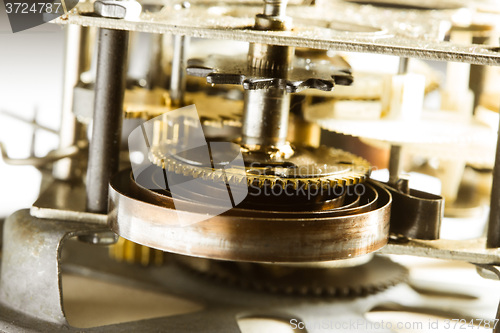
x=303, y=290
x=306, y=184
x=238, y=175
x=317, y=291
x=356, y=291
x=240, y=278
x=127, y=251
x=344, y=292
x=330, y=291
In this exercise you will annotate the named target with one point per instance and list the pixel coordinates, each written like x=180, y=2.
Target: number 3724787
x=467, y=324
x=33, y=8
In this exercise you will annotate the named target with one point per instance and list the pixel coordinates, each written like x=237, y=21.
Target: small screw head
x=126, y=9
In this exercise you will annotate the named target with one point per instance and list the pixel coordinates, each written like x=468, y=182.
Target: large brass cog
x=307, y=167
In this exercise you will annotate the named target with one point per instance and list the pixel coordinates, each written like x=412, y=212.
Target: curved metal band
x=240, y=236
x=341, y=205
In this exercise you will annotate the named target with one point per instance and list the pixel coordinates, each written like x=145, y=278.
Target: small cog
x=128, y=251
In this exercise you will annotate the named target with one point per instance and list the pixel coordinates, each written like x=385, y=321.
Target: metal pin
x=403, y=66
x=493, y=236
x=395, y=159
x=76, y=61
x=108, y=112
x=275, y=7
x=265, y=117
x=178, y=76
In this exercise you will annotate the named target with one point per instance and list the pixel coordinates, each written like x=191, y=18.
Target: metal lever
x=52, y=156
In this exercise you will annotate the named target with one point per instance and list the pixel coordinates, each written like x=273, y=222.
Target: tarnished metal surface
x=249, y=235
x=416, y=214
x=223, y=306
x=65, y=201
x=30, y=272
x=404, y=33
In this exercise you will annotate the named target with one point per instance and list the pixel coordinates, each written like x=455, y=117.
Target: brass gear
x=147, y=104
x=321, y=167
x=374, y=276
x=127, y=251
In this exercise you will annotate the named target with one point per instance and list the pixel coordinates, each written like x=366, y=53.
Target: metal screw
x=275, y=7
x=117, y=9
x=183, y=5
x=274, y=16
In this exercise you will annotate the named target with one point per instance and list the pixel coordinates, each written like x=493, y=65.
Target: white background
x=31, y=67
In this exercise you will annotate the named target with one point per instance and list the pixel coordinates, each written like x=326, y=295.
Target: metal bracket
x=473, y=250
x=490, y=272
x=30, y=277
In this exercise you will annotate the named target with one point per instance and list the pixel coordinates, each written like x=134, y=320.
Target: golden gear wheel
x=307, y=167
x=147, y=104
x=133, y=253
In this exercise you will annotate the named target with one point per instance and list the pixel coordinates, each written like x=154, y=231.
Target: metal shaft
x=395, y=158
x=155, y=74
x=108, y=112
x=266, y=111
x=265, y=117
x=275, y=7
x=76, y=61
x=395, y=165
x=403, y=65
x=497, y=327
x=178, y=76
x=493, y=237
x=477, y=78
